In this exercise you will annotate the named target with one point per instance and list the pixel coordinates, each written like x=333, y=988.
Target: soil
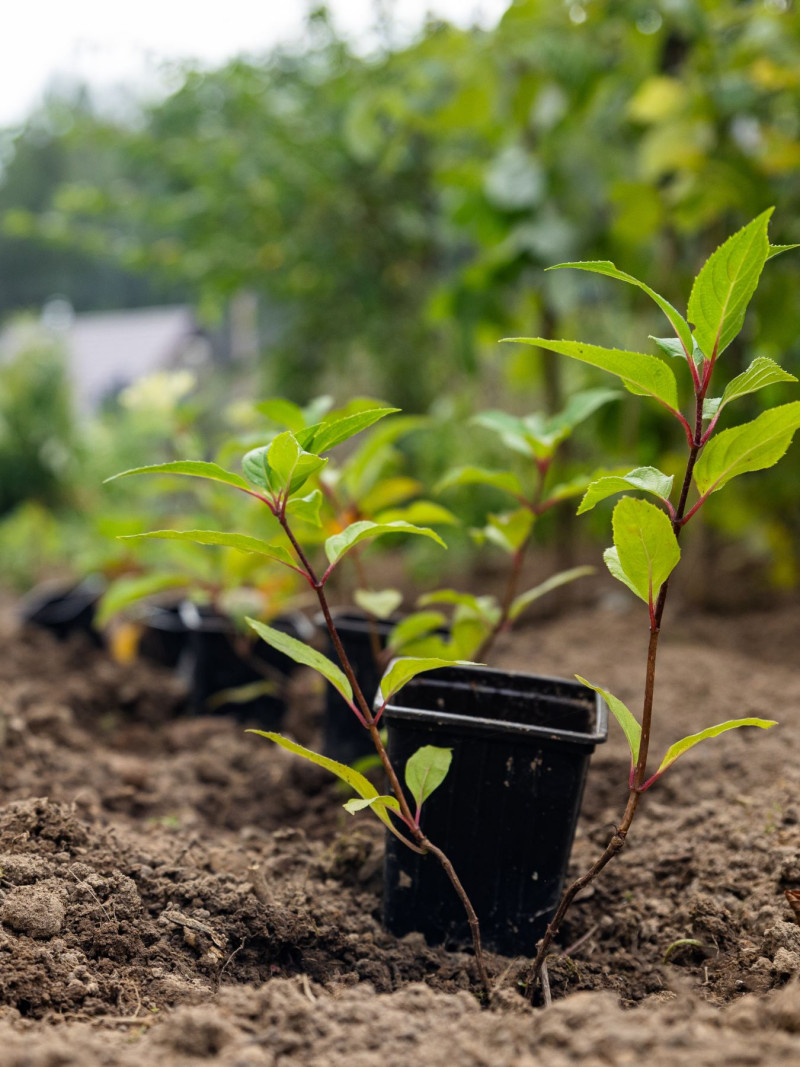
x=174, y=891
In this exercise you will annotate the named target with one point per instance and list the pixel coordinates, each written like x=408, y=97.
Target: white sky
x=110, y=44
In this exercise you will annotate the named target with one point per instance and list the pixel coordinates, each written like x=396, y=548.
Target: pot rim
x=505, y=727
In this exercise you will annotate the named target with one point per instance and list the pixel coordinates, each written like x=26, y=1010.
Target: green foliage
x=339, y=544
x=240, y=542
x=645, y=548
x=752, y=447
x=726, y=284
x=761, y=373
x=678, y=749
x=426, y=770
x=648, y=479
x=623, y=715
x=380, y=805
x=401, y=671
x=305, y=655
x=193, y=468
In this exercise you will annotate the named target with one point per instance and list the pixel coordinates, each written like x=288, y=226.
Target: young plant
x=477, y=621
x=646, y=533
x=275, y=475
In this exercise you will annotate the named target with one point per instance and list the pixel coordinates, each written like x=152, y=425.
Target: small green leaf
x=341, y=543
x=511, y=430
x=671, y=346
x=421, y=512
x=123, y=592
x=477, y=605
x=306, y=508
x=761, y=373
x=282, y=456
x=380, y=603
x=648, y=479
x=355, y=805
x=426, y=770
x=403, y=670
x=678, y=749
x=308, y=657
x=647, y=549
x=387, y=493
x=194, y=468
x=524, y=600
x=505, y=480
x=294, y=467
x=605, y=266
x=335, y=431
x=752, y=446
x=641, y=374
x=241, y=542
x=510, y=530
x=413, y=627
x=630, y=727
x=363, y=786
x=725, y=285
x=257, y=469
x=578, y=408
x=283, y=412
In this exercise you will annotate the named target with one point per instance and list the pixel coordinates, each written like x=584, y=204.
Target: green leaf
x=678, y=749
x=305, y=655
x=426, y=770
x=726, y=283
x=605, y=266
x=671, y=346
x=388, y=493
x=414, y=626
x=195, y=468
x=648, y=479
x=641, y=374
x=355, y=805
x=280, y=465
x=337, y=545
x=646, y=546
x=281, y=459
x=753, y=446
x=306, y=508
x=380, y=603
x=524, y=600
x=630, y=727
x=126, y=591
x=421, y=512
x=335, y=431
x=363, y=786
x=504, y=480
x=578, y=408
x=611, y=560
x=776, y=250
x=510, y=530
x=482, y=606
x=511, y=430
x=761, y=373
x=283, y=412
x=241, y=542
x=403, y=670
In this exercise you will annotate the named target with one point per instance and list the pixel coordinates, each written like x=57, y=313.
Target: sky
x=112, y=45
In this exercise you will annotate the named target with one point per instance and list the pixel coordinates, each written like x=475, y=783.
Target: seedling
x=646, y=546
x=275, y=475
x=534, y=440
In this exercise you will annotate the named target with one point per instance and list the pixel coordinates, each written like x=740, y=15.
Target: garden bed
x=174, y=891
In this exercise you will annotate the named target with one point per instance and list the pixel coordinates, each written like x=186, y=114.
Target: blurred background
x=361, y=198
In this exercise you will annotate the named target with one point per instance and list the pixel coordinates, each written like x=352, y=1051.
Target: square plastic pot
x=64, y=609
x=507, y=812
x=221, y=659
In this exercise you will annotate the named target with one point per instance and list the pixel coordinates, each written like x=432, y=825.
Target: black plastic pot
x=165, y=637
x=64, y=609
x=222, y=661
x=344, y=738
x=506, y=813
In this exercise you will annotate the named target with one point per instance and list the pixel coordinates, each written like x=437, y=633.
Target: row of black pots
x=507, y=812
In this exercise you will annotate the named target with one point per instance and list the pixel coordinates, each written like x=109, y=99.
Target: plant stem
x=618, y=839
x=423, y=843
